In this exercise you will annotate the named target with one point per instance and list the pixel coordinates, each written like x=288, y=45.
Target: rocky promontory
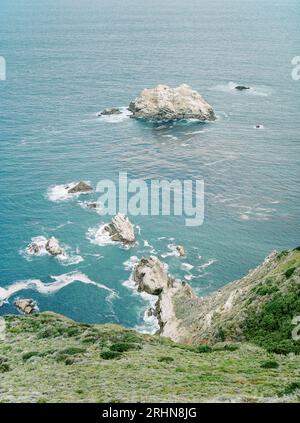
x=151, y=277
x=163, y=103
x=259, y=307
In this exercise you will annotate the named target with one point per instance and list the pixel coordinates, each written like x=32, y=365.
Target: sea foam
x=124, y=115
x=52, y=287
x=57, y=193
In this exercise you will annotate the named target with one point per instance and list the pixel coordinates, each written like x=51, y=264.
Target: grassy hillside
x=258, y=308
x=49, y=358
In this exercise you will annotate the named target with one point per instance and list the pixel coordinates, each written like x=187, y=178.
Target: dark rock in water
x=241, y=88
x=80, y=187
x=27, y=306
x=92, y=205
x=111, y=111
x=34, y=248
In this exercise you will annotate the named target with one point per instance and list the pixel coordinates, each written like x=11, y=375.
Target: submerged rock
x=53, y=247
x=163, y=103
x=111, y=111
x=80, y=187
x=241, y=88
x=27, y=306
x=120, y=229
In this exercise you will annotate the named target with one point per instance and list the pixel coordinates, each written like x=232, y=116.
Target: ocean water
x=66, y=60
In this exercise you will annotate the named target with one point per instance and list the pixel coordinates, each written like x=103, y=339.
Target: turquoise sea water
x=66, y=60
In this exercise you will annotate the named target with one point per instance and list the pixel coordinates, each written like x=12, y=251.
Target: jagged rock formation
x=27, y=306
x=80, y=187
x=163, y=103
x=121, y=230
x=151, y=276
x=225, y=314
x=53, y=247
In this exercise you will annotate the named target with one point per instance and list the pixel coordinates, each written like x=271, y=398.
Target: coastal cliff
x=233, y=346
x=259, y=307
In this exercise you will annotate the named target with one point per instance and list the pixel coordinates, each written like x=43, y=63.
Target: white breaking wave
x=131, y=263
x=99, y=236
x=173, y=251
x=150, y=322
x=207, y=264
x=40, y=241
x=187, y=266
x=57, y=193
x=52, y=287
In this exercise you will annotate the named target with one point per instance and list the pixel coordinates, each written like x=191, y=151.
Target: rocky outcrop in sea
x=53, y=247
x=26, y=306
x=80, y=187
x=110, y=111
x=121, y=229
x=163, y=103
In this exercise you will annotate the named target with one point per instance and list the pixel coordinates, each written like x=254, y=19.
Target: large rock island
x=163, y=103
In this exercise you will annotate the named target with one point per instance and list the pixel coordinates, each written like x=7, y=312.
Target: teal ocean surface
x=67, y=60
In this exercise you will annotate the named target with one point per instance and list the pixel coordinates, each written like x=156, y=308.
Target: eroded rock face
x=151, y=276
x=80, y=187
x=27, y=306
x=53, y=247
x=163, y=103
x=110, y=111
x=121, y=230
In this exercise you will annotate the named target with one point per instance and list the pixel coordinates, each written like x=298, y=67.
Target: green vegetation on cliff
x=49, y=358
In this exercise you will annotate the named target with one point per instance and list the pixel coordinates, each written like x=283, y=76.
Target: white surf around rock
x=38, y=248
x=260, y=91
x=116, y=118
x=56, y=193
